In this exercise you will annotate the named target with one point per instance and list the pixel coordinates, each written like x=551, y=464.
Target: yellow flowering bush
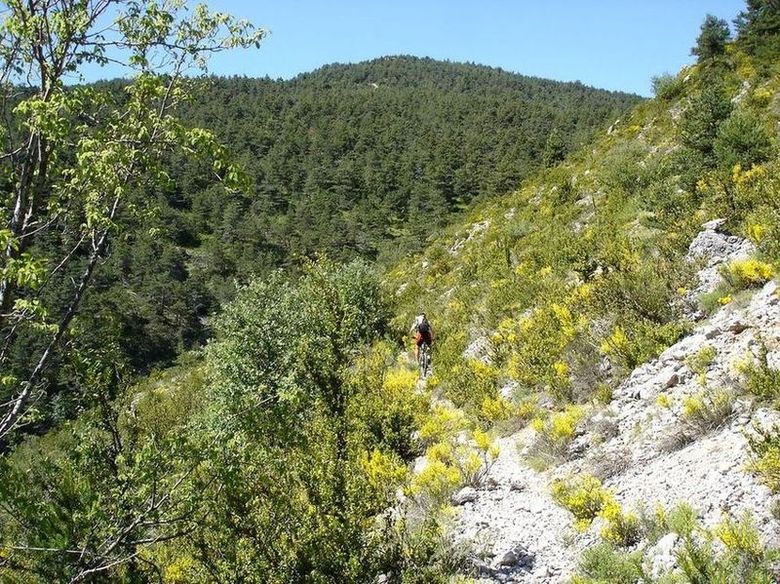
x=765, y=456
x=583, y=496
x=495, y=409
x=747, y=273
x=381, y=469
x=400, y=380
x=706, y=410
x=441, y=424
x=740, y=536
x=622, y=529
x=435, y=483
x=553, y=436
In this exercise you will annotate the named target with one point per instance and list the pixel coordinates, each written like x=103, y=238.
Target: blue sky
x=614, y=44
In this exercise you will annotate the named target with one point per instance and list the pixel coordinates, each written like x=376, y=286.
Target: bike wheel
x=425, y=361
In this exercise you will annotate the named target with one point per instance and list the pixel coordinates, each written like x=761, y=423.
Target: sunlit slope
x=567, y=284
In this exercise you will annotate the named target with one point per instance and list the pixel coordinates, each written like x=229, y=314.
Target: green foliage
x=112, y=485
x=743, y=140
x=583, y=496
x=703, y=115
x=759, y=29
x=744, y=558
x=667, y=86
x=765, y=450
x=554, y=149
x=622, y=528
x=712, y=39
x=80, y=166
x=730, y=552
x=759, y=378
x=602, y=564
x=701, y=360
x=457, y=454
x=422, y=554
x=707, y=410
x=471, y=382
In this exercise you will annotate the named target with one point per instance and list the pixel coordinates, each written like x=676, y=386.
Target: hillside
x=603, y=406
x=613, y=326
x=368, y=159
x=331, y=166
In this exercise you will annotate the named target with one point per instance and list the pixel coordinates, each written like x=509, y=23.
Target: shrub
x=742, y=140
x=583, y=496
x=421, y=553
x=765, y=449
x=470, y=382
x=602, y=563
x=610, y=464
x=667, y=86
x=622, y=529
x=434, y=484
x=760, y=379
x=700, y=361
x=743, y=560
x=442, y=424
x=741, y=537
x=495, y=409
x=553, y=437
x=706, y=411
x=681, y=519
x=630, y=348
x=702, y=117
x=747, y=273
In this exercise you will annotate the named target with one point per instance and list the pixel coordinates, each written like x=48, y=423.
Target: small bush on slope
x=760, y=379
x=582, y=495
x=553, y=437
x=765, y=462
x=602, y=563
x=730, y=552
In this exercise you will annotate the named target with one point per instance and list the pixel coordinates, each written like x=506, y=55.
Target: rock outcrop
x=647, y=458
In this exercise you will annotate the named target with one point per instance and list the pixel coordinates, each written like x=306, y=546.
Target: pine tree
x=711, y=42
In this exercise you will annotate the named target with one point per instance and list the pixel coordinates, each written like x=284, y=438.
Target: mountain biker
x=423, y=333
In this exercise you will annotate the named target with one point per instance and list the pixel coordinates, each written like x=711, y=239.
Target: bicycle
x=424, y=359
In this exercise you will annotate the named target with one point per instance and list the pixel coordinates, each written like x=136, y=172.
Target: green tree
x=77, y=160
x=742, y=139
x=703, y=115
x=758, y=27
x=554, y=149
x=289, y=418
x=712, y=39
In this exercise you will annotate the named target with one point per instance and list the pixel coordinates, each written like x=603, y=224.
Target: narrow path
x=514, y=512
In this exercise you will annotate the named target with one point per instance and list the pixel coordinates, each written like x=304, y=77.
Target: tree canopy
x=76, y=161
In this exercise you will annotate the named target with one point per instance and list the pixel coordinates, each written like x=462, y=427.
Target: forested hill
x=349, y=158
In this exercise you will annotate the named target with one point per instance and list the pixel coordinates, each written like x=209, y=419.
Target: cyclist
x=423, y=333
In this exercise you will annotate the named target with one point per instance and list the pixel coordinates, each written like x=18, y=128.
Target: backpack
x=424, y=327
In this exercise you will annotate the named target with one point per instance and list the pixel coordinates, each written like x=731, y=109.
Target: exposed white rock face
x=708, y=473
x=660, y=558
x=714, y=248
x=479, y=349
x=465, y=495
x=476, y=230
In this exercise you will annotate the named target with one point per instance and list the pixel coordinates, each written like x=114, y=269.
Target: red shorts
x=423, y=337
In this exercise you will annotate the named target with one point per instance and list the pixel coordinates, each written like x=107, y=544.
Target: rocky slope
x=639, y=444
